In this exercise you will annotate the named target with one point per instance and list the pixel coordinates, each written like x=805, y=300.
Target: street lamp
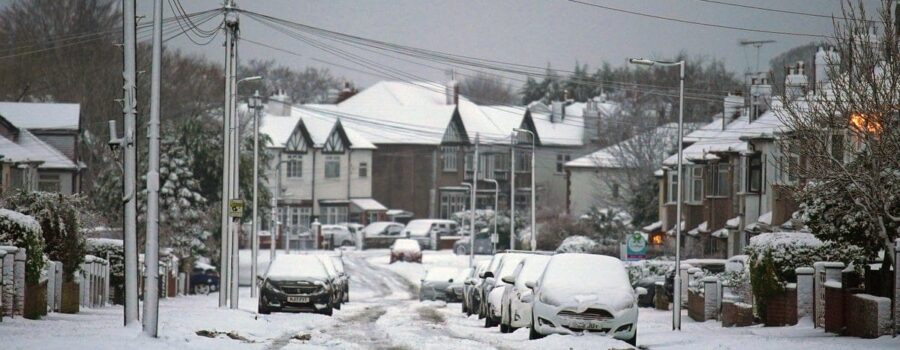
x=533, y=190
x=496, y=201
x=471, y=224
x=255, y=103
x=676, y=310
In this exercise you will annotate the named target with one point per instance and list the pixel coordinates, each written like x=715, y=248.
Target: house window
x=615, y=190
x=561, y=160
x=295, y=165
x=486, y=166
x=696, y=184
x=523, y=161
x=332, y=167
x=501, y=166
x=449, y=156
x=299, y=219
x=673, y=186
x=452, y=202
x=334, y=215
x=754, y=174
x=363, y=169
x=837, y=146
x=719, y=180
x=468, y=165
x=48, y=183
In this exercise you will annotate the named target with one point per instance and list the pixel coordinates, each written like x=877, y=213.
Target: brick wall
x=696, y=306
x=863, y=313
x=834, y=309
x=782, y=309
x=736, y=314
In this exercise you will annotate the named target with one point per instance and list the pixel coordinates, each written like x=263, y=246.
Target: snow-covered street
x=384, y=313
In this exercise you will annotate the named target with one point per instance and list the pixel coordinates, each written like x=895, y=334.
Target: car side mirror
x=527, y=297
x=450, y=281
x=530, y=284
x=481, y=275
x=509, y=279
x=261, y=279
x=641, y=291
x=469, y=282
x=487, y=274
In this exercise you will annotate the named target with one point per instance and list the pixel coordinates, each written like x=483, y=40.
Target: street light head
x=641, y=61
x=255, y=77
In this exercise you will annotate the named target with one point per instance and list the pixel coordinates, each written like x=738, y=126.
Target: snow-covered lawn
x=384, y=313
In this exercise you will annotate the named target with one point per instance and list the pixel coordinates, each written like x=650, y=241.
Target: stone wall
x=868, y=316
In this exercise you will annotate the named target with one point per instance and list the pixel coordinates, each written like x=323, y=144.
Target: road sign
x=235, y=208
x=636, y=246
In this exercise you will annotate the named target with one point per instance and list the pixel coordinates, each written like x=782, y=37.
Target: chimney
x=451, y=92
x=279, y=104
x=731, y=108
x=591, y=121
x=760, y=96
x=795, y=83
x=557, y=109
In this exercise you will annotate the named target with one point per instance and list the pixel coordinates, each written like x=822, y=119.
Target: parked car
x=487, y=278
x=435, y=284
x=406, y=250
x=337, y=279
x=296, y=283
x=483, y=244
x=456, y=290
x=515, y=307
x=381, y=234
x=204, y=278
x=493, y=290
x=471, y=298
x=710, y=266
x=429, y=231
x=338, y=236
x=584, y=292
x=339, y=265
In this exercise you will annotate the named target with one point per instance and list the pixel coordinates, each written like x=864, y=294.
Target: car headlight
x=273, y=288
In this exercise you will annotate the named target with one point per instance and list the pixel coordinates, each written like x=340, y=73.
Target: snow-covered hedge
x=577, y=244
x=788, y=251
x=23, y=231
x=59, y=219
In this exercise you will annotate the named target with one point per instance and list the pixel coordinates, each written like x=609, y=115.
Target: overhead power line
x=780, y=11
x=712, y=25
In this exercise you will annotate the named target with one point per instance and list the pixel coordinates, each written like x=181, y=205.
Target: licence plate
x=586, y=325
x=298, y=299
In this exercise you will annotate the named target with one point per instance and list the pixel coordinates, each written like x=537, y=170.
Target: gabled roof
x=30, y=148
x=315, y=125
x=36, y=115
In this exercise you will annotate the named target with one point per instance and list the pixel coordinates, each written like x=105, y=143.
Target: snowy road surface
x=384, y=313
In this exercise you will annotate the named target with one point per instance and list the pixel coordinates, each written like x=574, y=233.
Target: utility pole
x=232, y=25
x=129, y=195
x=151, y=254
x=474, y=203
x=512, y=191
x=225, y=285
x=256, y=104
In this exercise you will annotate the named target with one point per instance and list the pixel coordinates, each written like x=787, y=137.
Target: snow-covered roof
x=559, y=132
x=653, y=227
x=611, y=157
x=765, y=218
x=671, y=231
x=720, y=233
x=734, y=222
x=367, y=204
x=700, y=228
x=319, y=125
x=39, y=115
x=30, y=148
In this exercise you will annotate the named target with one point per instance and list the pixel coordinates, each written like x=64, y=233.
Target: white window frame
x=294, y=165
x=363, y=169
x=696, y=184
x=450, y=158
x=561, y=160
x=672, y=192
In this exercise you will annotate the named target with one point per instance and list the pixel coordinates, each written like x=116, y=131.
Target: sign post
x=636, y=246
x=236, y=208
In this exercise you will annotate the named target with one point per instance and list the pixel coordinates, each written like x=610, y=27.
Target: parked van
x=429, y=231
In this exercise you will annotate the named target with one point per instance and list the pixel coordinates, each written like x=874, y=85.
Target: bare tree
x=486, y=89
x=311, y=85
x=843, y=141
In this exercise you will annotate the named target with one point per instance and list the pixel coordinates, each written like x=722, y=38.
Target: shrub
x=23, y=231
x=58, y=217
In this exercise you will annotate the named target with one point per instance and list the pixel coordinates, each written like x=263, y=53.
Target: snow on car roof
x=296, y=266
x=509, y=262
x=579, y=276
x=441, y=274
x=534, y=267
x=406, y=244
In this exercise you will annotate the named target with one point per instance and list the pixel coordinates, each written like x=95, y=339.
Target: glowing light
x=864, y=123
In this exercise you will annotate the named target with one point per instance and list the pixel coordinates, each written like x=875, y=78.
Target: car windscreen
x=419, y=227
x=297, y=266
x=375, y=228
x=509, y=264
x=534, y=267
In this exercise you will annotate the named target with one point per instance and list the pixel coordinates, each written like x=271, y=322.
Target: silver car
x=436, y=283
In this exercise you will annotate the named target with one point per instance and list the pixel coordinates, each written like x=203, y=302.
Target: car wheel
x=533, y=334
x=460, y=250
x=633, y=339
x=464, y=310
x=337, y=306
x=328, y=311
x=488, y=322
x=261, y=309
x=201, y=289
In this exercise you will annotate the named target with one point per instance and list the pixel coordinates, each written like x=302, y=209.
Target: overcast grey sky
x=529, y=32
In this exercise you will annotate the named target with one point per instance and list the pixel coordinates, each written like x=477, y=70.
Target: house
x=39, y=144
x=320, y=168
x=601, y=179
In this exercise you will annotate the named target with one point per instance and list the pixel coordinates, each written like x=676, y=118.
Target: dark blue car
x=204, y=279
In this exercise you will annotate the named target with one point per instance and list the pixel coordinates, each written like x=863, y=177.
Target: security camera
x=114, y=141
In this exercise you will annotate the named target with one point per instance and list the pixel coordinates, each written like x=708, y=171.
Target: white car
x=429, y=231
x=515, y=310
x=338, y=236
x=494, y=290
x=584, y=292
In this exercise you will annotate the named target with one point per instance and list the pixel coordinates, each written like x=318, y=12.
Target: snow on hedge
x=577, y=244
x=23, y=231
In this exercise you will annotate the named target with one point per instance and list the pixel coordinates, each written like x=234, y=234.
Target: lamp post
x=533, y=190
x=471, y=225
x=676, y=310
x=256, y=105
x=512, y=191
x=496, y=201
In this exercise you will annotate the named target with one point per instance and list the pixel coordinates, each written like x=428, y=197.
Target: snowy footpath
x=384, y=313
